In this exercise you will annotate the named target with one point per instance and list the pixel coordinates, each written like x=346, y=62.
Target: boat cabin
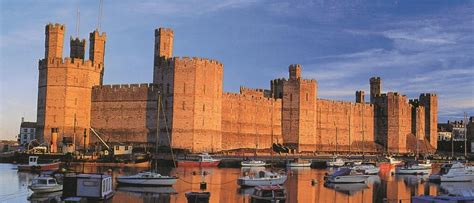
x=33, y=160
x=44, y=180
x=205, y=157
x=90, y=186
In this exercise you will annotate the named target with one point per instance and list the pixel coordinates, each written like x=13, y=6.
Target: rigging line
x=167, y=133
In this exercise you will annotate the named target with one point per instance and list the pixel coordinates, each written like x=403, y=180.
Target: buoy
x=194, y=173
x=314, y=182
x=203, y=185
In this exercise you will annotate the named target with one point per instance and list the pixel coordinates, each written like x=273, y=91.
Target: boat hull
x=147, y=181
x=347, y=179
x=412, y=171
x=45, y=189
x=39, y=167
x=244, y=164
x=252, y=182
x=258, y=199
x=457, y=178
x=333, y=164
x=198, y=164
x=299, y=164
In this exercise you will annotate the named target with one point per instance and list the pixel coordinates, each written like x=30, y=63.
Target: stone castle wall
x=125, y=113
x=352, y=124
x=198, y=116
x=250, y=120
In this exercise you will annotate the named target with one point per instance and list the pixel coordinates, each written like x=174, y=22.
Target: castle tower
x=97, y=50
x=430, y=102
x=295, y=71
x=64, y=91
x=360, y=96
x=375, y=88
x=299, y=111
x=78, y=48
x=54, y=40
x=163, y=49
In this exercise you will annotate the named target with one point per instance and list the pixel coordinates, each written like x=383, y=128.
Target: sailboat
x=367, y=169
x=335, y=160
x=150, y=178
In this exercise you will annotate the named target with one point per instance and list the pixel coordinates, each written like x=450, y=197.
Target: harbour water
x=222, y=184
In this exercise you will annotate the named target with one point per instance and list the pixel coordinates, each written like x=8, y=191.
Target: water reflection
x=223, y=186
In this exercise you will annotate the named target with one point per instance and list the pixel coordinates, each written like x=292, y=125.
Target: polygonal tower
x=64, y=89
x=375, y=88
x=430, y=102
x=163, y=49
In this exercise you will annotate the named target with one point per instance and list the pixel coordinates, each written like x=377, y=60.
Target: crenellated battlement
x=346, y=103
x=70, y=63
x=78, y=41
x=248, y=97
x=171, y=62
x=428, y=95
x=125, y=92
x=163, y=31
x=50, y=27
x=375, y=79
x=96, y=34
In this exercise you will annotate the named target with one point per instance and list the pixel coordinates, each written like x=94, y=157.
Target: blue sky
x=415, y=46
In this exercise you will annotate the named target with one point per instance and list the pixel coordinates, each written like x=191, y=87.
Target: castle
x=197, y=115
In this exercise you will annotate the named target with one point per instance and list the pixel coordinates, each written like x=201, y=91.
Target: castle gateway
x=197, y=115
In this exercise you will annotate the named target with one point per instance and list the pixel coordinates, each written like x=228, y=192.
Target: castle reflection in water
x=222, y=184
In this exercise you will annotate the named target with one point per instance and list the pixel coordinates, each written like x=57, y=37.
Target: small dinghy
x=252, y=163
x=147, y=179
x=346, y=175
x=264, y=178
x=299, y=163
x=270, y=194
x=455, y=172
x=44, y=184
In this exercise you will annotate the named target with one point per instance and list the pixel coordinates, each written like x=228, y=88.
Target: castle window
x=184, y=103
x=75, y=101
x=203, y=107
x=291, y=97
x=204, y=89
x=184, y=88
x=307, y=97
x=166, y=104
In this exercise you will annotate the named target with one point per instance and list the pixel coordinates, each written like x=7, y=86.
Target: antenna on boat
x=167, y=132
x=157, y=127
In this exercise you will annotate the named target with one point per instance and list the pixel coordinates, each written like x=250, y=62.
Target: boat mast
x=465, y=136
x=157, y=128
x=363, y=136
x=336, y=138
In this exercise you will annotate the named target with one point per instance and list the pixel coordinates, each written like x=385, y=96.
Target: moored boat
x=147, y=179
x=91, y=186
x=393, y=161
x=264, y=178
x=299, y=163
x=454, y=172
x=335, y=162
x=412, y=169
x=34, y=165
x=270, y=194
x=204, y=160
x=44, y=184
x=252, y=163
x=367, y=169
x=346, y=175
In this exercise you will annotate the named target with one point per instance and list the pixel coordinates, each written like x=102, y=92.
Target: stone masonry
x=197, y=115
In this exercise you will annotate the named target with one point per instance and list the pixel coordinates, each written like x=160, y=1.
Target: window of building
x=126, y=147
x=117, y=147
x=167, y=88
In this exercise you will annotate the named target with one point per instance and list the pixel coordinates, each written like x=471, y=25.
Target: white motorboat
x=412, y=169
x=147, y=179
x=367, y=169
x=454, y=172
x=264, y=178
x=425, y=163
x=346, y=175
x=335, y=162
x=299, y=163
x=252, y=163
x=393, y=161
x=43, y=184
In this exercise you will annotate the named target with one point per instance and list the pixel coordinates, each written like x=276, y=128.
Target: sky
x=414, y=46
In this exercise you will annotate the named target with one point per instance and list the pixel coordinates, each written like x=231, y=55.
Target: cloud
x=185, y=8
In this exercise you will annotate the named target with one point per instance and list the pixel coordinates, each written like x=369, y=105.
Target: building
x=197, y=115
x=444, y=136
x=27, y=132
